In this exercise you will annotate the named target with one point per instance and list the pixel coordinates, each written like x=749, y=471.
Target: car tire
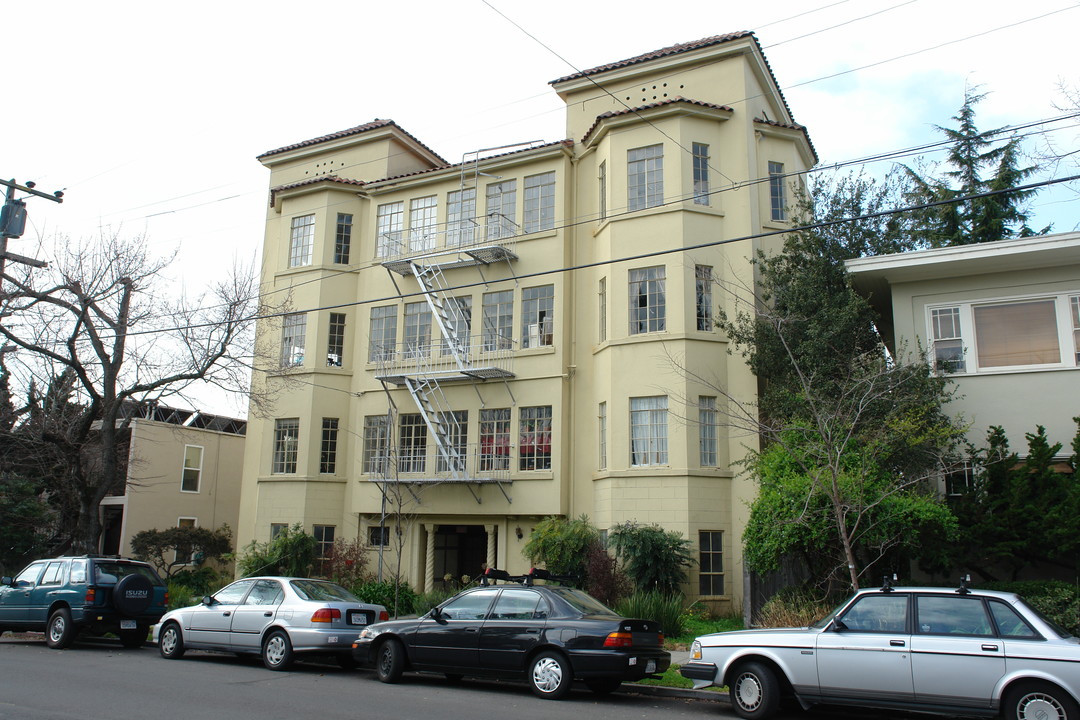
x=60, y=631
x=133, y=639
x=755, y=691
x=346, y=661
x=133, y=595
x=550, y=676
x=390, y=660
x=171, y=642
x=277, y=652
x=603, y=686
x=1031, y=700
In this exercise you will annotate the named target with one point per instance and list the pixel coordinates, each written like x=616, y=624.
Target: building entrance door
x=459, y=550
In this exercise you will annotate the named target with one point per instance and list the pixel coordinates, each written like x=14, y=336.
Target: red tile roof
x=641, y=108
x=790, y=126
x=366, y=127
x=314, y=181
x=448, y=166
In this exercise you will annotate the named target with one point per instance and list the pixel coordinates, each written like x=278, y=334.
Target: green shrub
x=397, y=598
x=430, y=599
x=654, y=558
x=1059, y=601
x=202, y=581
x=561, y=544
x=180, y=595
x=667, y=609
x=794, y=607
x=291, y=552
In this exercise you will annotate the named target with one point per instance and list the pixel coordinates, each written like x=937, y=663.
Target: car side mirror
x=435, y=613
x=208, y=600
x=839, y=626
x=7, y=581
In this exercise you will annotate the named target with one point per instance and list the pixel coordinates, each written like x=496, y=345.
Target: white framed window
x=645, y=177
x=343, y=239
x=701, y=173
x=328, y=449
x=192, y=473
x=376, y=444
x=417, y=331
x=602, y=301
x=412, y=444
x=534, y=449
x=703, y=300
x=383, y=335
x=1006, y=334
x=708, y=427
x=461, y=217
x=324, y=540
x=301, y=240
x=648, y=430
x=497, y=318
x=601, y=426
x=537, y=316
x=186, y=522
x=277, y=528
x=389, y=221
x=501, y=209
x=456, y=423
x=459, y=324
x=960, y=480
x=422, y=212
x=648, y=306
x=777, y=191
x=335, y=340
x=495, y=439
x=293, y=335
x=602, y=182
x=286, y=446
x=539, y=206
x=710, y=562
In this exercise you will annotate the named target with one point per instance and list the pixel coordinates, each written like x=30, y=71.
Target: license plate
x=357, y=618
x=127, y=625
x=650, y=667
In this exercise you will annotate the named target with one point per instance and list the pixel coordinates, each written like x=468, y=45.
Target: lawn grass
x=696, y=625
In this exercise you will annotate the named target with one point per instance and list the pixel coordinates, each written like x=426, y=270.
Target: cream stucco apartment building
x=472, y=347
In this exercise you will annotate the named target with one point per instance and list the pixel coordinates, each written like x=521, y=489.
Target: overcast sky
x=149, y=115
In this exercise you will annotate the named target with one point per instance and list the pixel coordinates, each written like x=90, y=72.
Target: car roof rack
x=887, y=583
x=492, y=575
x=964, y=580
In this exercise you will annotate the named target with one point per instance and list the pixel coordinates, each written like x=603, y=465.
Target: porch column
x=490, y=529
x=429, y=559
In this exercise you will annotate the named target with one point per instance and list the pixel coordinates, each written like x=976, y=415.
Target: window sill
x=1012, y=371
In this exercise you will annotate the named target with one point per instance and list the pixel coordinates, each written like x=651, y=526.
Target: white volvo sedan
x=938, y=650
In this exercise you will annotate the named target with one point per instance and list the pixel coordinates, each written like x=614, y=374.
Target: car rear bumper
x=627, y=665
x=323, y=640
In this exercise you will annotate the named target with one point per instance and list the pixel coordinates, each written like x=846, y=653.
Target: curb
x=681, y=693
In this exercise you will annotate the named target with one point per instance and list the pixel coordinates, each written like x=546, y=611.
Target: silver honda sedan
x=275, y=617
x=938, y=650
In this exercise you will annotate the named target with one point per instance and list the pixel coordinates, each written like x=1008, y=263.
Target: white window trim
x=1066, y=341
x=184, y=468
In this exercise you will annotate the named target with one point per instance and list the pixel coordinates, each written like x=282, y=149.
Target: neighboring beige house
x=1001, y=319
x=472, y=347
x=183, y=468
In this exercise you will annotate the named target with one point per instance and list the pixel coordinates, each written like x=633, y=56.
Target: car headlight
x=370, y=633
x=695, y=650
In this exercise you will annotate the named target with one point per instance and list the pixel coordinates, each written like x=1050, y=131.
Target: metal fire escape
x=424, y=368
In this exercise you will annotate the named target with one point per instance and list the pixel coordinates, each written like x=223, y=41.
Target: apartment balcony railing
x=478, y=357
x=483, y=462
x=483, y=241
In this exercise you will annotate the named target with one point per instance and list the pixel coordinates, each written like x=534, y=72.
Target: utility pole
x=13, y=222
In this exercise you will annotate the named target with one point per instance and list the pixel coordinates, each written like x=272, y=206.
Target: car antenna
x=887, y=581
x=964, y=580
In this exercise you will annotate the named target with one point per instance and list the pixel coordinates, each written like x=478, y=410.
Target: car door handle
x=470, y=629
x=897, y=643
x=268, y=614
x=227, y=613
x=990, y=648
x=533, y=631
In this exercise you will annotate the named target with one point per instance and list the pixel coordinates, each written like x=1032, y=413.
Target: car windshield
x=320, y=591
x=583, y=603
x=818, y=624
x=109, y=572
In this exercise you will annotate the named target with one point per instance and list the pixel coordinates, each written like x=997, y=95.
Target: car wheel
x=277, y=651
x=171, y=642
x=60, y=632
x=1039, y=701
x=550, y=675
x=390, y=661
x=133, y=639
x=755, y=693
x=603, y=686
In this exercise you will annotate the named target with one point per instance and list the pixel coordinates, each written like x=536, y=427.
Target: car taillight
x=619, y=639
x=326, y=615
x=383, y=616
x=91, y=594
x=167, y=599
x=660, y=637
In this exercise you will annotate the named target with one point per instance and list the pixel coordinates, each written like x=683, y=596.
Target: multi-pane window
x=701, y=173
x=1074, y=304
x=383, y=335
x=277, y=528
x=948, y=340
x=459, y=323
x=328, y=448
x=495, y=439
x=960, y=480
x=497, y=316
x=501, y=209
x=293, y=332
x=602, y=181
x=537, y=307
x=602, y=320
x=417, y=331
x=378, y=535
x=461, y=217
x=192, y=474
x=703, y=283
x=184, y=522
x=376, y=444
x=648, y=430
x=324, y=540
x=645, y=177
x=534, y=443
x=301, y=240
x=389, y=221
x=601, y=424
x=647, y=300
x=286, y=445
x=710, y=562
x=412, y=444
x=539, y=206
x=457, y=441
x=777, y=191
x=335, y=340
x=708, y=427
x=343, y=238
x=422, y=224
